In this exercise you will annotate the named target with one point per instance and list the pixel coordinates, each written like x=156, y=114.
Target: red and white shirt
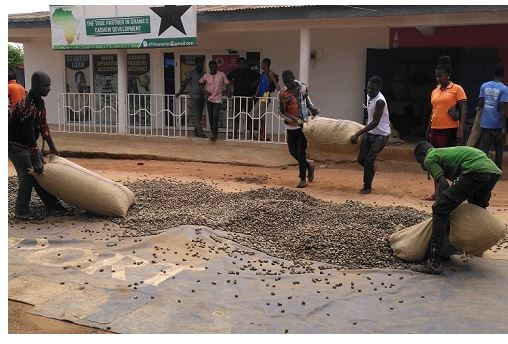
x=214, y=84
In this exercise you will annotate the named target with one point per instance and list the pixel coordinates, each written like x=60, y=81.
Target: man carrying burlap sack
x=473, y=177
x=26, y=122
x=376, y=132
x=296, y=107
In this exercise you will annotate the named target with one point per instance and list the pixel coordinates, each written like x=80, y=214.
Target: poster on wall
x=105, y=73
x=77, y=73
x=138, y=73
x=225, y=64
x=77, y=80
x=138, y=85
x=122, y=26
x=105, y=78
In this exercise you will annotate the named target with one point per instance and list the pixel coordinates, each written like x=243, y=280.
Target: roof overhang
x=24, y=27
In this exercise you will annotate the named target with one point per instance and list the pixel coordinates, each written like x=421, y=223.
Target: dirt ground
x=21, y=321
x=396, y=182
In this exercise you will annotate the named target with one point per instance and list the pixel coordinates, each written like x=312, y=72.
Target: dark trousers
x=492, y=135
x=197, y=105
x=297, y=144
x=213, y=116
x=370, y=147
x=20, y=158
x=474, y=187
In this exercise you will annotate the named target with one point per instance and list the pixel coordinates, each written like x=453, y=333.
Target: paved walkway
x=199, y=150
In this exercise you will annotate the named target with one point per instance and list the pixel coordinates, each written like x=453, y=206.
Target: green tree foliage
x=15, y=56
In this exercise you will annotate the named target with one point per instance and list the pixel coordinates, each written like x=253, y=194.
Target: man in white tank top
x=376, y=132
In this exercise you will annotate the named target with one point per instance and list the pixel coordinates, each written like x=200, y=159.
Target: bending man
x=474, y=176
x=26, y=122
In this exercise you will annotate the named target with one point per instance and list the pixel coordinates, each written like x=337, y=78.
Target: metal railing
x=255, y=120
x=157, y=115
x=88, y=113
x=243, y=118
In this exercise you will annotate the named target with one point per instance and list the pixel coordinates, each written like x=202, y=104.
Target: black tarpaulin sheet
x=193, y=280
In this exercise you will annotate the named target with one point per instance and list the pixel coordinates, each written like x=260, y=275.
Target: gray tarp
x=73, y=270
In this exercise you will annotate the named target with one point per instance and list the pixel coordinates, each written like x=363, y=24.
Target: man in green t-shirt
x=473, y=177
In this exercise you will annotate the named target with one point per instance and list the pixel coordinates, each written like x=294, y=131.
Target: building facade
x=334, y=49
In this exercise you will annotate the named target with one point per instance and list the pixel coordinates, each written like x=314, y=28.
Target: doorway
x=409, y=77
x=169, y=85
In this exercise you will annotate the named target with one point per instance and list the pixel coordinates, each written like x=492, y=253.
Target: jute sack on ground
x=472, y=230
x=84, y=189
x=331, y=135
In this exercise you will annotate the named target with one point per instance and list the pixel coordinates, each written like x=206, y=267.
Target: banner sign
x=226, y=63
x=117, y=26
x=138, y=73
x=122, y=26
x=105, y=71
x=77, y=73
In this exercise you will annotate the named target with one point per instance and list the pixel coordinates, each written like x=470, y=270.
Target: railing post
x=58, y=105
x=122, y=90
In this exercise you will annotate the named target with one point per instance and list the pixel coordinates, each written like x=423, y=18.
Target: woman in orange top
x=446, y=127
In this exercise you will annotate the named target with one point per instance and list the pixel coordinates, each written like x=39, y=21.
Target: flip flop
x=429, y=198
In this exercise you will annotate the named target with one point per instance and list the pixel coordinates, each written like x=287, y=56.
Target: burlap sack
x=331, y=135
x=84, y=189
x=472, y=230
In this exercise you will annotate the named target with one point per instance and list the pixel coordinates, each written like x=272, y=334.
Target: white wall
x=336, y=82
x=40, y=57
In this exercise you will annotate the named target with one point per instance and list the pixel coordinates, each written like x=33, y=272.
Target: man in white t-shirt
x=375, y=133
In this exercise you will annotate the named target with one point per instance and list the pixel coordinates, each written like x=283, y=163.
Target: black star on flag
x=171, y=15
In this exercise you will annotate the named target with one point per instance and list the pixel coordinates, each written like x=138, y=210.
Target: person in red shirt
x=16, y=91
x=26, y=122
x=213, y=84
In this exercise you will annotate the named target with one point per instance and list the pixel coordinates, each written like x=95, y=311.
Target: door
x=169, y=86
x=225, y=64
x=378, y=63
x=187, y=63
x=476, y=66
